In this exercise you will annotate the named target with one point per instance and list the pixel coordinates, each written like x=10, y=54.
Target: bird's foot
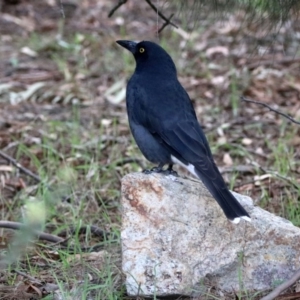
x=153, y=170
x=170, y=172
x=157, y=170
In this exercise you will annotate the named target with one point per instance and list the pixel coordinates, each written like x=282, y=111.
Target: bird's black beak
x=129, y=45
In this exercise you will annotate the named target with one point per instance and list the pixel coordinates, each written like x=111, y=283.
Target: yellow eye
x=142, y=50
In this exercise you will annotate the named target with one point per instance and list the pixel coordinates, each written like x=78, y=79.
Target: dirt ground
x=63, y=118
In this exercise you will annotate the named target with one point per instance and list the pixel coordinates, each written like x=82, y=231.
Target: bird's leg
x=170, y=171
x=157, y=169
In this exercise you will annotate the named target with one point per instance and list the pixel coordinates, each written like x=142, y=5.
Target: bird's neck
x=158, y=65
x=155, y=71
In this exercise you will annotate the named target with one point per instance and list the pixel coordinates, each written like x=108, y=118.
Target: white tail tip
x=237, y=220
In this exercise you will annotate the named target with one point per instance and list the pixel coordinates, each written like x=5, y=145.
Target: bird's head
x=149, y=55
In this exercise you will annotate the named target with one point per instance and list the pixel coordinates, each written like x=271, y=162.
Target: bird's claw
x=170, y=172
x=157, y=170
x=160, y=170
x=153, y=170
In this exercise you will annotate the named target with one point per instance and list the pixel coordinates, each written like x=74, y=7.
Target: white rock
x=176, y=239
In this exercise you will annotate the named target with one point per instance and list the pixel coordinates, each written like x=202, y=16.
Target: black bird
x=164, y=123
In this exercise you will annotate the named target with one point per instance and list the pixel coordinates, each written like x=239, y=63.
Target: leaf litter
x=62, y=88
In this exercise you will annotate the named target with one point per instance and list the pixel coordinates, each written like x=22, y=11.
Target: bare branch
x=167, y=20
x=271, y=109
x=160, y=14
x=165, y=24
x=120, y=3
x=41, y=235
x=283, y=286
x=32, y=279
x=95, y=230
x=20, y=167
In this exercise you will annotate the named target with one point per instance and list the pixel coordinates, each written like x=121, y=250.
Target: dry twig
x=95, y=230
x=165, y=24
x=58, y=240
x=115, y=8
x=20, y=167
x=160, y=14
x=32, y=279
x=283, y=286
x=167, y=20
x=41, y=235
x=289, y=296
x=271, y=109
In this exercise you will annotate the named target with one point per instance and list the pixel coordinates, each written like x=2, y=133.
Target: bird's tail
x=233, y=210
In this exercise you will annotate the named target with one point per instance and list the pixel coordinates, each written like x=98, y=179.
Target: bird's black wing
x=187, y=139
x=187, y=143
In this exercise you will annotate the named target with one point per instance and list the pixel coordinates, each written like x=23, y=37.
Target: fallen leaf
x=227, y=160
x=217, y=50
x=246, y=141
